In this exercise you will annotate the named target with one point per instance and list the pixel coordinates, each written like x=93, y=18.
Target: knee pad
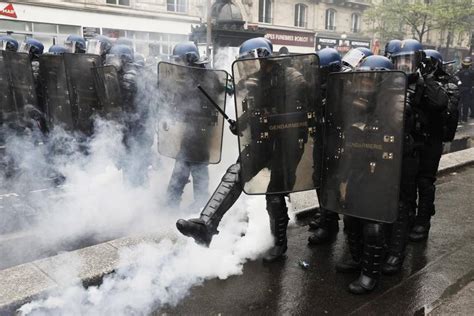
x=232, y=175
x=373, y=232
x=276, y=204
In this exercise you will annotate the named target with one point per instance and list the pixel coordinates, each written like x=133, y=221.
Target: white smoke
x=96, y=203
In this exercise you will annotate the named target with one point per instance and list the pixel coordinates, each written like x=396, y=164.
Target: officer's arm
x=435, y=94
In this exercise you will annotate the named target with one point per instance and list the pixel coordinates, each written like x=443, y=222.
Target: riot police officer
x=75, y=44
x=466, y=76
x=187, y=54
x=365, y=237
x=203, y=228
x=425, y=97
x=441, y=125
x=134, y=119
x=8, y=43
x=327, y=223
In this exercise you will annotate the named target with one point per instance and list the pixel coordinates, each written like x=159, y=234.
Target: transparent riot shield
x=108, y=90
x=190, y=127
x=276, y=101
x=363, y=144
x=7, y=106
x=81, y=84
x=56, y=91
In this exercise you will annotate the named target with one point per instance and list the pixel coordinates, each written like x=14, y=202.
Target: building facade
x=156, y=25
x=162, y=23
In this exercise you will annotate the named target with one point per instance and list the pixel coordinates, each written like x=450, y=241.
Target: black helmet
x=99, y=45
x=408, y=57
x=187, y=53
x=255, y=48
x=75, y=44
x=33, y=47
x=466, y=62
x=8, y=43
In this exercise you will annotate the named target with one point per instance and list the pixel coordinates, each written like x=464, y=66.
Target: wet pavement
x=432, y=270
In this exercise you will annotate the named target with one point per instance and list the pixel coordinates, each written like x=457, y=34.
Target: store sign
x=9, y=11
x=342, y=45
x=292, y=38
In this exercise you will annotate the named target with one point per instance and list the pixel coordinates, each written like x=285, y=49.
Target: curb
x=23, y=283
x=26, y=282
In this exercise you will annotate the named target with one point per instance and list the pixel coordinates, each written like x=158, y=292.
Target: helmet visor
x=24, y=48
x=353, y=58
x=255, y=53
x=94, y=47
x=70, y=46
x=406, y=63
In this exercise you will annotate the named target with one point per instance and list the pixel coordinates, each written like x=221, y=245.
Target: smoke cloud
x=100, y=200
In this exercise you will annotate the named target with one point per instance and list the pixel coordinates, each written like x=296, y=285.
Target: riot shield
x=7, y=106
x=276, y=101
x=56, y=91
x=190, y=127
x=81, y=80
x=21, y=85
x=108, y=90
x=363, y=144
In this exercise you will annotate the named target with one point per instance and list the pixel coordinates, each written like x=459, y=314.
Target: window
x=176, y=5
x=330, y=19
x=119, y=2
x=265, y=11
x=355, y=25
x=300, y=15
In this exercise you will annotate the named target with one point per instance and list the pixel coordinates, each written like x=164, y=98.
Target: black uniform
x=466, y=76
x=435, y=132
x=279, y=152
x=426, y=101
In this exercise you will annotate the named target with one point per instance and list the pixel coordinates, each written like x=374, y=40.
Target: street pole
x=208, y=30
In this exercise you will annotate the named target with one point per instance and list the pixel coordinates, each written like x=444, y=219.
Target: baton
x=231, y=122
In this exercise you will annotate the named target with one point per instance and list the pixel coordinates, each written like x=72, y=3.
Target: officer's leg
x=179, y=178
x=200, y=174
x=464, y=104
x=471, y=104
x=429, y=162
x=202, y=229
x=353, y=227
x=371, y=259
x=278, y=213
x=325, y=227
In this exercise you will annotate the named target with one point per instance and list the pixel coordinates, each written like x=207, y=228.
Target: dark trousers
x=430, y=155
x=180, y=177
x=466, y=103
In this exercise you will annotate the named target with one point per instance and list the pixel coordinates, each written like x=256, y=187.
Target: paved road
x=431, y=271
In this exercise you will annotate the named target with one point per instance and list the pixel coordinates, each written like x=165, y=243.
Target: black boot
x=354, y=240
x=422, y=225
x=328, y=227
x=398, y=240
x=202, y=229
x=278, y=213
x=371, y=259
